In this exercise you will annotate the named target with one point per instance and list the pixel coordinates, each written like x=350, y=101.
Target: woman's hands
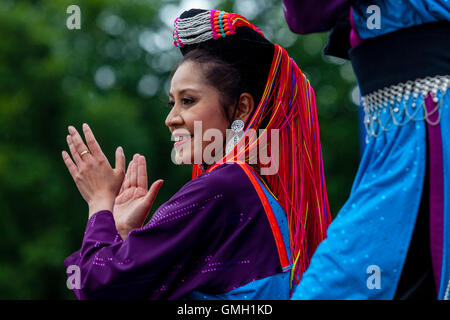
x=97, y=182
x=134, y=201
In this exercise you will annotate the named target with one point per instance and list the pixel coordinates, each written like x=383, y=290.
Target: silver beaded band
x=399, y=104
x=195, y=29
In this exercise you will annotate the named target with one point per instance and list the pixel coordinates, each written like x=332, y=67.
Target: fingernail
x=71, y=129
x=121, y=150
x=68, y=138
x=85, y=126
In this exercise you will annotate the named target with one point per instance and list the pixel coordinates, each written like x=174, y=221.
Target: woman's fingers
x=152, y=193
x=125, y=176
x=120, y=160
x=133, y=177
x=92, y=142
x=69, y=164
x=142, y=173
x=128, y=175
x=75, y=155
x=78, y=143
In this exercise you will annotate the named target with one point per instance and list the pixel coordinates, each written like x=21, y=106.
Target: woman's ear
x=245, y=107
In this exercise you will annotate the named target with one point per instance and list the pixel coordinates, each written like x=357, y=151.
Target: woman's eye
x=185, y=101
x=188, y=100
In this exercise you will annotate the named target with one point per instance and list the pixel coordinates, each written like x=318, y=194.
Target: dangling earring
x=237, y=127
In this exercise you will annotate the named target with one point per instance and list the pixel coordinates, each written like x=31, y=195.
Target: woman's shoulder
x=227, y=185
x=226, y=178
x=225, y=188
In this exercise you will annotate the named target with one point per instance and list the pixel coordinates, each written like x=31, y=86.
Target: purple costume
x=211, y=240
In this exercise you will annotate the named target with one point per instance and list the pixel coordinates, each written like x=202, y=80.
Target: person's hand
x=134, y=201
x=97, y=182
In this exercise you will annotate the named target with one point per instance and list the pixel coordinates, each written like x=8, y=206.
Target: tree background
x=113, y=74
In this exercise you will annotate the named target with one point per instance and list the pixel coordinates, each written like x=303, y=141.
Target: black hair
x=234, y=64
x=221, y=75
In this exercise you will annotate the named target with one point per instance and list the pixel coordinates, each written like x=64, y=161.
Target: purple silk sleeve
x=211, y=236
x=308, y=16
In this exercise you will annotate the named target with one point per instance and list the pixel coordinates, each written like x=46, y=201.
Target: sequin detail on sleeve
x=165, y=215
x=99, y=261
x=220, y=266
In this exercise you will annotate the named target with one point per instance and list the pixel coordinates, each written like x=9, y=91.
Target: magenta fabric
x=305, y=17
x=355, y=39
x=309, y=16
x=436, y=189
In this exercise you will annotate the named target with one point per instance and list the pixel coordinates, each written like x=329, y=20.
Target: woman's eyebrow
x=184, y=91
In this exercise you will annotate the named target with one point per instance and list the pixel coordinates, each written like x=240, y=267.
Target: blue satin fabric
x=375, y=225
x=397, y=14
x=275, y=287
x=445, y=133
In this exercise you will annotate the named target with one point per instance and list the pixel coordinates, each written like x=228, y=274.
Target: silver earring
x=237, y=127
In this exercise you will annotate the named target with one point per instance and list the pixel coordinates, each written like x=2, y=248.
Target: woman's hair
x=223, y=76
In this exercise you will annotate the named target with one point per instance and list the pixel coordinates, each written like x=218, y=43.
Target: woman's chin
x=180, y=160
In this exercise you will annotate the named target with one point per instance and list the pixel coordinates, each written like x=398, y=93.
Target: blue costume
x=397, y=15
x=399, y=201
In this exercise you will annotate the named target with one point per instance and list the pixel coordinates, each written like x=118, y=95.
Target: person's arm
x=308, y=16
x=105, y=261
x=148, y=264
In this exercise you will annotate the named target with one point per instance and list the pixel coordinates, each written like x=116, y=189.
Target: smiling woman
x=206, y=95
x=231, y=232
x=193, y=99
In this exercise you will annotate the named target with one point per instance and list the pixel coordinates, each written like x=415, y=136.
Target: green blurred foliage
x=113, y=73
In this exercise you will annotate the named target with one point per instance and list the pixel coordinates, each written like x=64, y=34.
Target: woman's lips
x=182, y=141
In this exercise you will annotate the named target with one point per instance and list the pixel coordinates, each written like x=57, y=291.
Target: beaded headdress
x=207, y=25
x=230, y=37
x=286, y=102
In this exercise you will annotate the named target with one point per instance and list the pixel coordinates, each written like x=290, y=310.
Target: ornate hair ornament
x=208, y=25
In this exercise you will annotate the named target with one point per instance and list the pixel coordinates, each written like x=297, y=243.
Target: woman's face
x=192, y=99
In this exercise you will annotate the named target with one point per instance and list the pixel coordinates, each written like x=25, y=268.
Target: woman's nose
x=173, y=118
